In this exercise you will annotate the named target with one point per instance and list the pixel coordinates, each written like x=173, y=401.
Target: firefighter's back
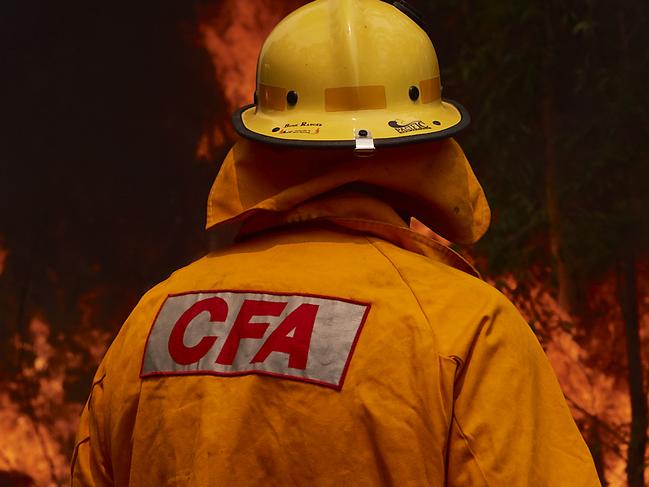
x=300, y=357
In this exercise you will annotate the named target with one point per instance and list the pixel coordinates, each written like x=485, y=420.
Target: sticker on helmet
x=308, y=128
x=405, y=127
x=231, y=333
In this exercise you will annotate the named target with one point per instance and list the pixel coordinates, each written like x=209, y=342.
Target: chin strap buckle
x=364, y=142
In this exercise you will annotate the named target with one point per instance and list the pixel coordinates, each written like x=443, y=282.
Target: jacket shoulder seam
x=75, y=456
x=412, y=292
x=465, y=438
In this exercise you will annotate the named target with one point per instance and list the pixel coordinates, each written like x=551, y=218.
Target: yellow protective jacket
x=324, y=343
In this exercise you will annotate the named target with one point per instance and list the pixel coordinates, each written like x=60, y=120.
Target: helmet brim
x=249, y=132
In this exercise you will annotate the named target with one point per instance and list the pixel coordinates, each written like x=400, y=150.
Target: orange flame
x=233, y=34
x=37, y=422
x=26, y=444
x=4, y=253
x=598, y=397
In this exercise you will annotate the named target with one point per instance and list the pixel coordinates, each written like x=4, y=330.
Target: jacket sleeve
x=511, y=425
x=90, y=464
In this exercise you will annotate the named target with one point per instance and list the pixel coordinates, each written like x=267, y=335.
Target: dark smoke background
x=103, y=106
x=102, y=195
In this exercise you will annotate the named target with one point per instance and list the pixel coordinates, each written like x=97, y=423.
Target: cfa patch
x=231, y=333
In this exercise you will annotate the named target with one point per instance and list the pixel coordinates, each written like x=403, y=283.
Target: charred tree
x=595, y=444
x=628, y=299
x=549, y=118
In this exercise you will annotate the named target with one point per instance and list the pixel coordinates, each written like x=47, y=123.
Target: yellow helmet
x=348, y=73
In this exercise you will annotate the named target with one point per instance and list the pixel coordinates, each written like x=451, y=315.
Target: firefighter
x=323, y=342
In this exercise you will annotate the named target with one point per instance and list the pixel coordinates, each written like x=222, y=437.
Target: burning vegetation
x=590, y=369
x=81, y=241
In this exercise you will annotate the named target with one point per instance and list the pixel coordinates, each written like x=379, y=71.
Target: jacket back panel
x=388, y=424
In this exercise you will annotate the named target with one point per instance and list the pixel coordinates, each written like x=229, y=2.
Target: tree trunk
x=595, y=445
x=564, y=281
x=566, y=288
x=628, y=299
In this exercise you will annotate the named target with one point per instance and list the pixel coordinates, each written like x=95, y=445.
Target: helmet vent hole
x=291, y=98
x=437, y=122
x=276, y=129
x=414, y=93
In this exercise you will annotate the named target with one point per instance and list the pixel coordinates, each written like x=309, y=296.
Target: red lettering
x=183, y=355
x=242, y=327
x=301, y=322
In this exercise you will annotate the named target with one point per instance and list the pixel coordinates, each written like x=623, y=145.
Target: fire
x=37, y=421
x=26, y=443
x=4, y=253
x=25, y=446
x=594, y=387
x=233, y=33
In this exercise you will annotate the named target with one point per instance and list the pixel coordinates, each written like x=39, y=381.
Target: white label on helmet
x=230, y=333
